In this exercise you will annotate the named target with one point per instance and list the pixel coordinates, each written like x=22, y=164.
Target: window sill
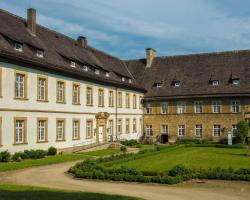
x=100, y=106
x=20, y=144
x=76, y=104
x=41, y=142
x=76, y=139
x=89, y=105
x=111, y=106
x=61, y=102
x=19, y=98
x=61, y=140
x=43, y=101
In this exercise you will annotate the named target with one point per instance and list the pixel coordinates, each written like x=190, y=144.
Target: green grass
x=54, y=159
x=193, y=157
x=12, y=192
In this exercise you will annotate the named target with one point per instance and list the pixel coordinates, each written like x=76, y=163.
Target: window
x=164, y=129
x=42, y=87
x=123, y=79
x=119, y=126
x=1, y=132
x=216, y=130
x=236, y=81
x=134, y=101
x=164, y=108
x=60, y=129
x=181, y=107
x=157, y=85
x=181, y=130
x=20, y=85
x=60, y=97
x=140, y=102
x=18, y=47
x=119, y=99
x=107, y=74
x=89, y=96
x=100, y=97
x=97, y=71
x=111, y=98
x=89, y=128
x=215, y=83
x=42, y=130
x=127, y=125
x=127, y=100
x=20, y=130
x=76, y=94
x=85, y=68
x=40, y=53
x=140, y=126
x=216, y=106
x=134, y=126
x=111, y=127
x=198, y=107
x=72, y=64
x=149, y=130
x=177, y=83
x=149, y=109
x=129, y=80
x=235, y=106
x=198, y=130
x=76, y=129
x=234, y=130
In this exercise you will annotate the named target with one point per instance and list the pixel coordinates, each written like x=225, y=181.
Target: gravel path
x=54, y=176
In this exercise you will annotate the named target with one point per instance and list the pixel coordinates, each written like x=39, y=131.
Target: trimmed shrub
x=5, y=156
x=242, y=131
x=129, y=142
x=52, y=151
x=34, y=154
x=17, y=156
x=179, y=170
x=123, y=148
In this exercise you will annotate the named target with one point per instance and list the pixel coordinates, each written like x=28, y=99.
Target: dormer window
x=39, y=53
x=157, y=85
x=123, y=79
x=177, y=83
x=236, y=81
x=215, y=83
x=129, y=80
x=85, y=68
x=18, y=47
x=72, y=64
x=97, y=71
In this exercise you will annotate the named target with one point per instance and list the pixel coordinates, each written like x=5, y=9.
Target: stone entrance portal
x=101, y=127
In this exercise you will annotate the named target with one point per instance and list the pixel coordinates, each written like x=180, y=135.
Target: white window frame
x=149, y=130
x=111, y=127
x=177, y=83
x=85, y=68
x=198, y=106
x=76, y=92
x=20, y=131
x=119, y=126
x=42, y=89
x=236, y=81
x=164, y=128
x=76, y=129
x=215, y=82
x=20, y=85
x=72, y=64
x=60, y=91
x=216, y=130
x=198, y=130
x=234, y=130
x=134, y=125
x=127, y=126
x=181, y=107
x=181, y=130
x=164, y=108
x=18, y=47
x=235, y=106
x=97, y=71
x=89, y=127
x=149, y=108
x=39, y=53
x=107, y=74
x=60, y=125
x=41, y=130
x=215, y=104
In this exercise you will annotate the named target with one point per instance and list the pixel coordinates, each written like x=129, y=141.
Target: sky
x=125, y=28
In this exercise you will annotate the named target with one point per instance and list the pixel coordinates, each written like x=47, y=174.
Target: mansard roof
x=195, y=72
x=59, y=50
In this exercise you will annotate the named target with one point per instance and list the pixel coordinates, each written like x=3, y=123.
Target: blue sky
x=126, y=28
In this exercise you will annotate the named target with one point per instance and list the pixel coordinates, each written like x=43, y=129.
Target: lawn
x=194, y=157
x=55, y=159
x=9, y=192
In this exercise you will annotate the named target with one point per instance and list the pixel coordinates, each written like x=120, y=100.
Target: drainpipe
x=116, y=128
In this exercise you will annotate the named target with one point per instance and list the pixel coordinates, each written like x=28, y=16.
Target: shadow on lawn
x=55, y=195
x=234, y=154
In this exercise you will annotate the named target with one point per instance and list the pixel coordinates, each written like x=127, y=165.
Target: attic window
x=129, y=80
x=177, y=83
x=72, y=64
x=236, y=81
x=18, y=47
x=85, y=68
x=39, y=53
x=123, y=79
x=97, y=71
x=215, y=82
x=157, y=85
x=107, y=74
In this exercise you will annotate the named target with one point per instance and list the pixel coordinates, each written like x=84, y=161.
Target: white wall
x=32, y=109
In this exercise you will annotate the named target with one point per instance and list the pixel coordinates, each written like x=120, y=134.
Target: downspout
x=116, y=127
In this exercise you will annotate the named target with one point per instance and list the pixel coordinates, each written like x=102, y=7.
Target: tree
x=242, y=131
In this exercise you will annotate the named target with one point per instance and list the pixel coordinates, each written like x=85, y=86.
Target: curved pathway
x=54, y=176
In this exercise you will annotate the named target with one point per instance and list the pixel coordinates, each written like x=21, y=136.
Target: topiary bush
x=17, y=156
x=52, y=151
x=129, y=142
x=123, y=148
x=34, y=154
x=179, y=170
x=242, y=131
x=5, y=156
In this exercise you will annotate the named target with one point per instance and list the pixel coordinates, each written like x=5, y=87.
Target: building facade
x=61, y=92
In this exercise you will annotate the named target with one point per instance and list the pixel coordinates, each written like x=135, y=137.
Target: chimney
x=31, y=20
x=151, y=53
x=82, y=41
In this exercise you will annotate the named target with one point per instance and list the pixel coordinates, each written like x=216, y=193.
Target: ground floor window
x=127, y=126
x=42, y=130
x=181, y=130
x=164, y=129
x=149, y=130
x=111, y=127
x=76, y=129
x=234, y=130
x=89, y=128
x=119, y=126
x=134, y=126
x=216, y=130
x=60, y=129
x=20, y=130
x=198, y=130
